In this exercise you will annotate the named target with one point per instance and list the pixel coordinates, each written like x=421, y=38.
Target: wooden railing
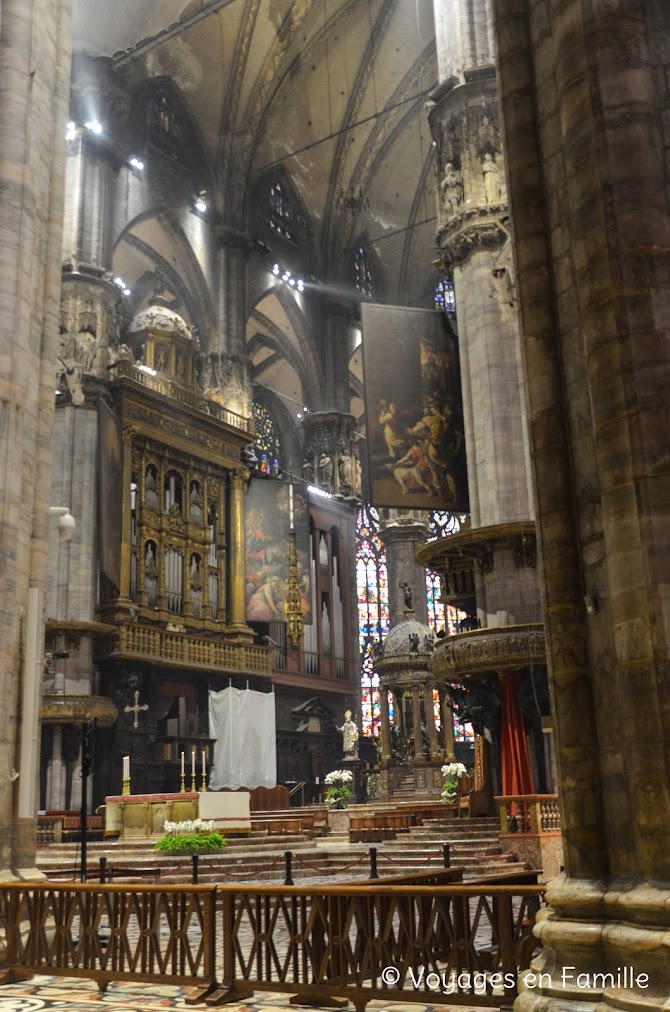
x=452, y=945
x=532, y=814
x=439, y=944
x=105, y=932
x=178, y=648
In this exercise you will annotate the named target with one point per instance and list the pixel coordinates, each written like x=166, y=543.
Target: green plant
x=190, y=836
x=451, y=774
x=338, y=793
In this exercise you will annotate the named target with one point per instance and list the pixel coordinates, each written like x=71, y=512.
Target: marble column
x=416, y=721
x=583, y=93
x=34, y=88
x=386, y=724
x=402, y=534
x=228, y=367
x=330, y=453
x=431, y=730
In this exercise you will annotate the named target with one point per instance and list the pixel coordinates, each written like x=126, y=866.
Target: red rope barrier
x=246, y=874
x=425, y=860
x=334, y=871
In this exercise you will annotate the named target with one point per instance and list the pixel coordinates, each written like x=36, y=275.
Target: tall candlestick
x=203, y=778
x=193, y=763
x=291, y=518
x=182, y=764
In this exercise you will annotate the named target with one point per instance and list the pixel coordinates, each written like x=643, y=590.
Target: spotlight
x=200, y=203
x=137, y=164
x=93, y=126
x=275, y=269
x=70, y=131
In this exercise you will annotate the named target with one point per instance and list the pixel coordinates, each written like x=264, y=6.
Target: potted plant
x=451, y=774
x=338, y=793
x=190, y=837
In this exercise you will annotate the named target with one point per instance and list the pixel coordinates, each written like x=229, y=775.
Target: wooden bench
x=291, y=821
x=378, y=826
x=57, y=827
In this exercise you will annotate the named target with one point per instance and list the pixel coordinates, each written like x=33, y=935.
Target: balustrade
x=530, y=814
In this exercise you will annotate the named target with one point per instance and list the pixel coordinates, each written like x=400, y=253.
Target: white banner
x=242, y=724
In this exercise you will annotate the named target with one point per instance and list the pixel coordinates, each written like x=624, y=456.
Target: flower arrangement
x=338, y=793
x=451, y=774
x=192, y=835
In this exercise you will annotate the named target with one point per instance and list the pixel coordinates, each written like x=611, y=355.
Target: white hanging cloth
x=242, y=724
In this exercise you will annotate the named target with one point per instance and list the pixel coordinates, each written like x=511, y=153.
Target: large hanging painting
x=266, y=524
x=416, y=451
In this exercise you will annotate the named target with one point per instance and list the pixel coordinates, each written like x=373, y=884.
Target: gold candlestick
x=193, y=788
x=126, y=786
x=182, y=789
x=203, y=782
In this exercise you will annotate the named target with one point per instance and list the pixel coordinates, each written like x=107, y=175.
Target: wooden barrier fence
x=439, y=944
x=106, y=932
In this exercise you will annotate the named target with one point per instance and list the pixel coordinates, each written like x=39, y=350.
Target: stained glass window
x=267, y=443
x=363, y=273
x=373, y=611
x=280, y=218
x=445, y=297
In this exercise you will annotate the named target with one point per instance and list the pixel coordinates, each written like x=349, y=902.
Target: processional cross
x=136, y=708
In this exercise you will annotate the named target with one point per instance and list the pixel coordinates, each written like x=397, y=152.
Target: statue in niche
x=429, y=642
x=326, y=470
x=491, y=173
x=407, y=593
x=349, y=733
x=161, y=360
x=345, y=472
x=150, y=560
x=308, y=471
x=414, y=643
x=451, y=190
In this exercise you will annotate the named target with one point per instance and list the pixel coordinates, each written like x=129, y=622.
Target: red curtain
x=516, y=774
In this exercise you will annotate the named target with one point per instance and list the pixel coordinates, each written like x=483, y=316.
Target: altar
x=143, y=816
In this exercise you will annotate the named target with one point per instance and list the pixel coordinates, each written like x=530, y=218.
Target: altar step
x=473, y=846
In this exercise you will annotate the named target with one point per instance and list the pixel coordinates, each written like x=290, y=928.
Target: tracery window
x=373, y=611
x=363, y=273
x=267, y=443
x=280, y=219
x=445, y=297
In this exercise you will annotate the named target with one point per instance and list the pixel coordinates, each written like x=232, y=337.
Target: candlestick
x=203, y=779
x=193, y=787
x=126, y=786
x=182, y=787
x=291, y=518
x=182, y=764
x=193, y=763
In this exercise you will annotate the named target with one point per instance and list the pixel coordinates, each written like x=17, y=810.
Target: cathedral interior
x=223, y=225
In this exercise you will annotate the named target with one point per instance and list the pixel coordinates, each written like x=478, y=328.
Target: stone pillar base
x=543, y=851
x=604, y=947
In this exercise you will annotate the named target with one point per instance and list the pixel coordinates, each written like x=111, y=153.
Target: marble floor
x=47, y=993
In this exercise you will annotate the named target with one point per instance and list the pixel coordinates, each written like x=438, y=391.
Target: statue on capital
x=349, y=733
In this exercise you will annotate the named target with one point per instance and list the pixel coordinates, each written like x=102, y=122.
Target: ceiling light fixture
x=137, y=163
x=94, y=126
x=200, y=203
x=71, y=131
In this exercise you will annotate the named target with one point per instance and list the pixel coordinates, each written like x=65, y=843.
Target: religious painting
x=267, y=523
x=416, y=451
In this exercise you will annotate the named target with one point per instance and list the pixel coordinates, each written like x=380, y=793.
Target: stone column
x=237, y=626
x=402, y=534
x=431, y=730
x=34, y=88
x=416, y=721
x=227, y=367
x=386, y=725
x=448, y=729
x=583, y=91
x=330, y=454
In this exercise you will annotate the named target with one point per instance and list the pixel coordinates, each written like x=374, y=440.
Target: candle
x=204, y=770
x=182, y=764
x=126, y=767
x=193, y=763
x=291, y=519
